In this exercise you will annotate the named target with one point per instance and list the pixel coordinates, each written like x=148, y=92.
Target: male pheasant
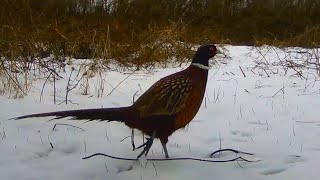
x=168, y=105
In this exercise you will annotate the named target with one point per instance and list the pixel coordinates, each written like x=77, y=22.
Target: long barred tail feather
x=121, y=114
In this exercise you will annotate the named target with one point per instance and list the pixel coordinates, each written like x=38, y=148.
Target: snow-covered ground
x=272, y=112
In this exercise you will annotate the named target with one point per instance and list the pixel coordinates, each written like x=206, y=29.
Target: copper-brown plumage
x=169, y=104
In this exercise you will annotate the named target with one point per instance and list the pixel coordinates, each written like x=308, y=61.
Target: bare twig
x=266, y=72
x=120, y=83
x=308, y=122
x=155, y=169
x=172, y=159
x=124, y=138
x=242, y=71
x=50, y=142
x=12, y=79
x=293, y=130
x=264, y=55
x=54, y=89
x=133, y=97
x=44, y=84
x=232, y=150
x=113, y=87
x=68, y=84
x=63, y=124
x=282, y=89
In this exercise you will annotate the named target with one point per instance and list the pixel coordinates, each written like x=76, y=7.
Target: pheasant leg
x=147, y=145
x=132, y=140
x=164, y=146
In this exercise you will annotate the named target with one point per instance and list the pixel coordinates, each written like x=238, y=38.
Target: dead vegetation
x=39, y=37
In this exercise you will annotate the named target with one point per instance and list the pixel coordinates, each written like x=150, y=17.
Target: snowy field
x=270, y=109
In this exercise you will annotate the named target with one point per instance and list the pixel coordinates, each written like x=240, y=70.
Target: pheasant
x=168, y=105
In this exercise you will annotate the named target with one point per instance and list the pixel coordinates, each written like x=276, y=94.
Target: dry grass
x=140, y=33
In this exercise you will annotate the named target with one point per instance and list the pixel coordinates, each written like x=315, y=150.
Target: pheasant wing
x=165, y=97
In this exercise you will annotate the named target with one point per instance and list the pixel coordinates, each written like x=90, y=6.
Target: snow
x=275, y=117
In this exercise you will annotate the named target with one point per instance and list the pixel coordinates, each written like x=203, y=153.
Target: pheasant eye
x=211, y=48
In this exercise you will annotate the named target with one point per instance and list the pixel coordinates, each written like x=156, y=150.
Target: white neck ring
x=201, y=66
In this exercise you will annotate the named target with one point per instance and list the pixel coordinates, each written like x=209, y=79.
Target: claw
x=144, y=144
x=147, y=145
